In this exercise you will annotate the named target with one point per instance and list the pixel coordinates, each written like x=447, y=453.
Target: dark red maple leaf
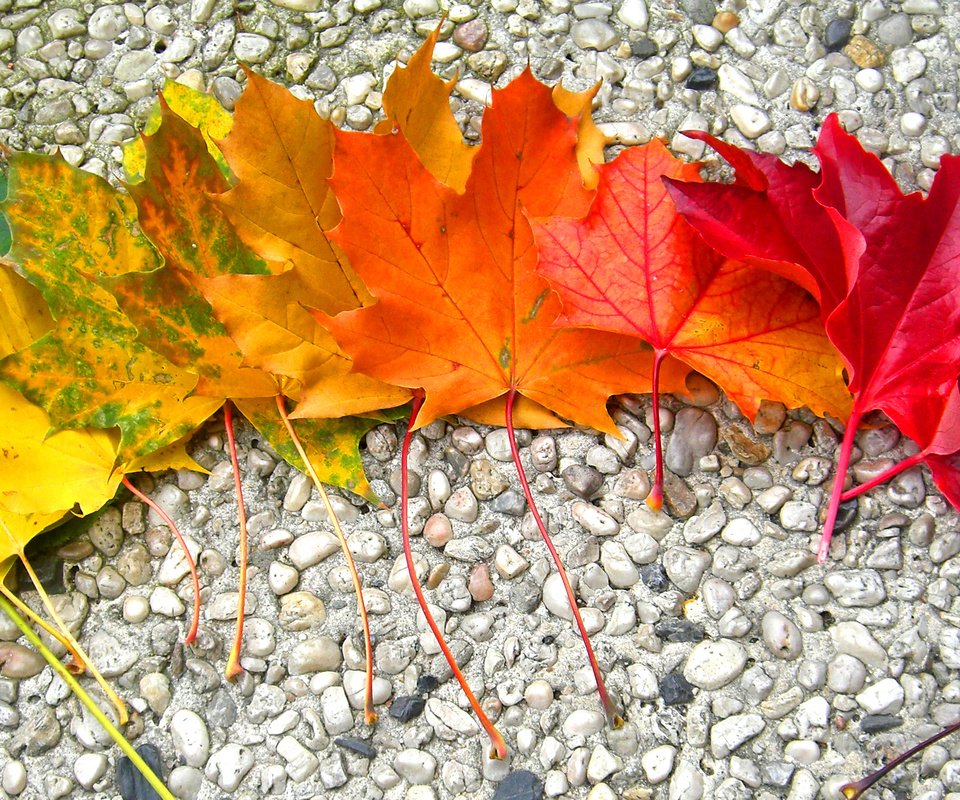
x=897, y=324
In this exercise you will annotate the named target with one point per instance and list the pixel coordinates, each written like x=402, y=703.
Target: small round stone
x=135, y=608
x=713, y=664
x=781, y=636
x=538, y=694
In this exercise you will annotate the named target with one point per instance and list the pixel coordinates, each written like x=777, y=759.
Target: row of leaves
x=269, y=255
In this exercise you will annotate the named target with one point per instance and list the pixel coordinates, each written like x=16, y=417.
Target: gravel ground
x=745, y=669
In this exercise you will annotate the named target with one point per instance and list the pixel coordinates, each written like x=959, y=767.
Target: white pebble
x=538, y=694
x=229, y=766
x=728, y=734
x=883, y=697
x=912, y=123
x=89, y=768
x=803, y=751
x=301, y=763
x=509, y=563
x=713, y=664
x=191, y=739
x=855, y=639
x=555, y=596
x=312, y=548
x=583, y=722
x=164, y=601
x=336, y=711
x=602, y=764
x=594, y=520
x=282, y=578
x=741, y=532
x=751, y=120
x=618, y=566
x=13, y=780
x=135, y=608
x=415, y=766
x=870, y=80
x=657, y=763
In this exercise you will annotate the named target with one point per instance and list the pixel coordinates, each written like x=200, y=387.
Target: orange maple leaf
x=635, y=267
x=460, y=310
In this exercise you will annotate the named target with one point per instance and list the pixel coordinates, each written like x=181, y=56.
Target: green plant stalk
x=84, y=698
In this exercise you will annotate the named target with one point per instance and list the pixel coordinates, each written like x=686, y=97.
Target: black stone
x=130, y=783
x=520, y=784
x=846, y=514
x=654, y=577
x=877, y=723
x=644, y=48
x=406, y=708
x=702, y=78
x=357, y=746
x=675, y=690
x=427, y=683
x=678, y=630
x=837, y=34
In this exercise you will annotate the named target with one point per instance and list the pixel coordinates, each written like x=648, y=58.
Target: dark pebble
x=643, y=48
x=130, y=783
x=678, y=630
x=520, y=784
x=457, y=461
x=510, y=502
x=654, y=577
x=702, y=78
x=846, y=514
x=427, y=683
x=877, y=723
x=406, y=708
x=582, y=480
x=525, y=596
x=355, y=746
x=675, y=690
x=222, y=710
x=702, y=11
x=837, y=34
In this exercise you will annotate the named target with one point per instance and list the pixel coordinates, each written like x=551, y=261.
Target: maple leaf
x=90, y=370
x=282, y=207
x=460, y=310
x=770, y=217
x=194, y=238
x=461, y=317
x=899, y=265
x=417, y=102
x=200, y=109
x=633, y=266
x=43, y=474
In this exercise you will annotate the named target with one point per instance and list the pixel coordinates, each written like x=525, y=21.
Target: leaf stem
x=76, y=666
x=369, y=714
x=846, y=448
x=655, y=498
x=613, y=717
x=233, y=661
x=195, y=623
x=75, y=648
x=852, y=791
x=498, y=745
x=87, y=701
x=883, y=477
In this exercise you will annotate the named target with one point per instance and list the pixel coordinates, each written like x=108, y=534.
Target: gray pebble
x=694, y=435
x=856, y=588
